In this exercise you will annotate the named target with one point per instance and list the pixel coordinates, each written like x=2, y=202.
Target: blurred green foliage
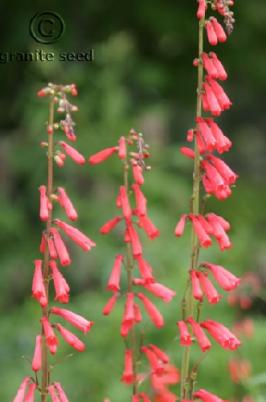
x=142, y=76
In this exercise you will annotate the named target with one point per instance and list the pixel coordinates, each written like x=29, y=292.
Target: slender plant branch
x=45, y=310
x=188, y=299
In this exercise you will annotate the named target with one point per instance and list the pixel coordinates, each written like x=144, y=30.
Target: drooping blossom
x=154, y=314
x=72, y=153
x=61, y=286
x=53, y=393
x=66, y=203
x=30, y=396
x=225, y=278
x=38, y=288
x=70, y=338
x=114, y=279
x=61, y=392
x=110, y=304
x=128, y=373
x=200, y=336
x=207, y=396
x=60, y=247
x=75, y=319
x=101, y=156
x=22, y=390
x=50, y=336
x=44, y=204
x=221, y=334
x=208, y=289
x=110, y=225
x=76, y=235
x=185, y=337
x=36, y=363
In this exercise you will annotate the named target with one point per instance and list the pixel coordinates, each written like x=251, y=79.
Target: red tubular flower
x=110, y=225
x=101, y=156
x=152, y=311
x=36, y=363
x=128, y=374
x=114, y=279
x=61, y=393
x=219, y=230
x=157, y=365
x=60, y=284
x=151, y=230
x=202, y=339
x=208, y=289
x=209, y=66
x=210, y=101
x=110, y=304
x=75, y=319
x=196, y=288
x=145, y=270
x=70, y=338
x=221, y=35
x=189, y=153
x=38, y=289
x=125, y=203
x=206, y=133
x=221, y=96
x=222, y=74
x=122, y=148
x=50, y=337
x=135, y=241
x=221, y=334
x=137, y=173
x=160, y=354
x=66, y=203
x=223, y=143
x=140, y=200
x=53, y=393
x=206, y=396
x=204, y=239
x=129, y=313
x=161, y=291
x=185, y=337
x=228, y=175
x=30, y=396
x=44, y=204
x=76, y=235
x=73, y=153
x=43, y=243
x=225, y=279
x=22, y=390
x=211, y=33
x=51, y=246
x=180, y=227
x=201, y=9
x=60, y=248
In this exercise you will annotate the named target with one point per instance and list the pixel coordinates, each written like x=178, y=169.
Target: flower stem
x=45, y=310
x=129, y=269
x=189, y=304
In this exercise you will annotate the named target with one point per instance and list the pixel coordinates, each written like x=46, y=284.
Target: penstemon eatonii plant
x=54, y=252
x=214, y=176
x=133, y=152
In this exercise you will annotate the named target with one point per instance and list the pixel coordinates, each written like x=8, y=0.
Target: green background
x=142, y=77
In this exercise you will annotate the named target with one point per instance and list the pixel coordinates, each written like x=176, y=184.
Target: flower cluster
x=214, y=177
x=139, y=274
x=55, y=253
